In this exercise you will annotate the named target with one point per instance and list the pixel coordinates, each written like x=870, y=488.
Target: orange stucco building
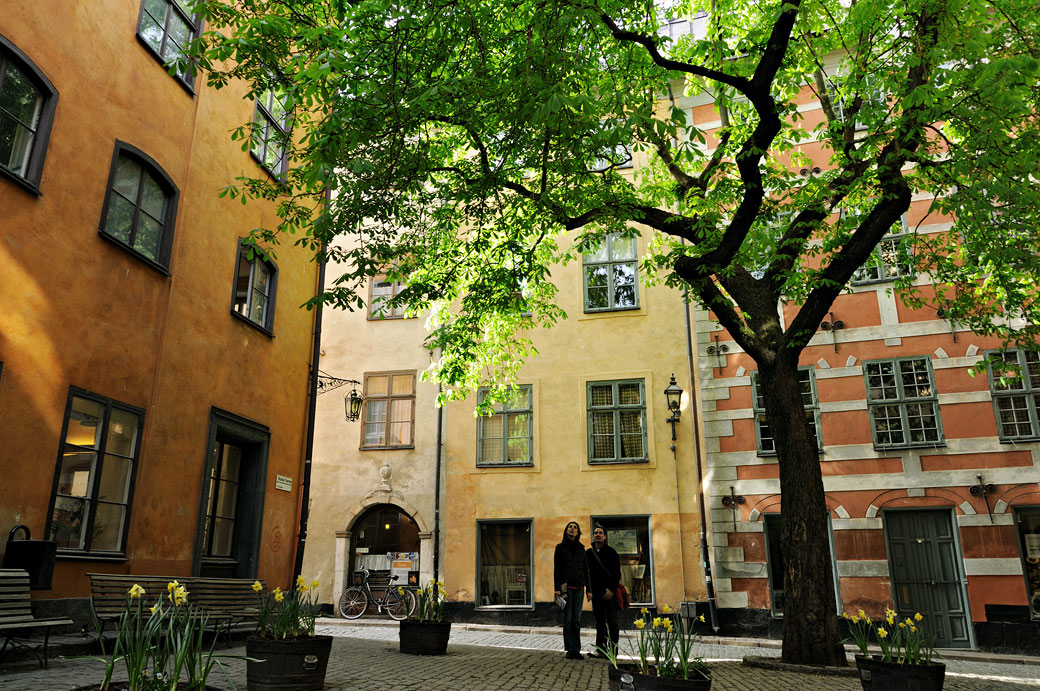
x=143, y=350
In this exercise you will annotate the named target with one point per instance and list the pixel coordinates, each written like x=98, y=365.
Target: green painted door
x=926, y=573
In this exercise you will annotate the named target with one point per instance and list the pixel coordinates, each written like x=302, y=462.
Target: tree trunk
x=810, y=617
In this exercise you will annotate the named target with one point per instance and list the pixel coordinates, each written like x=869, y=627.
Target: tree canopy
x=467, y=146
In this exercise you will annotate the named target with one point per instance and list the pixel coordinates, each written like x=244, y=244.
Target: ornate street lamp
x=674, y=395
x=352, y=405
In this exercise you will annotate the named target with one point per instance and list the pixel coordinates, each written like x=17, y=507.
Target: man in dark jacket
x=604, y=576
x=570, y=577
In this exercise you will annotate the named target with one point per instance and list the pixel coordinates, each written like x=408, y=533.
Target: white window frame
x=902, y=403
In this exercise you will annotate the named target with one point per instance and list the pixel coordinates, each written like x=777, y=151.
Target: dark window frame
x=759, y=411
x=282, y=137
x=187, y=81
x=903, y=402
x=1018, y=512
x=10, y=54
x=478, y=593
x=162, y=261
x=97, y=466
x=605, y=520
x=616, y=408
x=1028, y=392
x=504, y=413
x=389, y=397
x=272, y=288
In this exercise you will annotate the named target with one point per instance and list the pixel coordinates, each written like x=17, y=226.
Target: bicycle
x=354, y=600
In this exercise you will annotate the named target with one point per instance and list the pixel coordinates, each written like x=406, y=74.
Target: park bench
x=16, y=614
x=226, y=602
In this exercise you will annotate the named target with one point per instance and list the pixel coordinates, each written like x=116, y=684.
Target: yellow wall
x=75, y=310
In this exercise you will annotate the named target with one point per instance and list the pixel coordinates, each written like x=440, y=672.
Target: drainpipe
x=305, y=490
x=437, y=491
x=695, y=416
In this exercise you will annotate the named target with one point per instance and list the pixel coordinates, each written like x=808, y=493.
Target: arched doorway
x=382, y=530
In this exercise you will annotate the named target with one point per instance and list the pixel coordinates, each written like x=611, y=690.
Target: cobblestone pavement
x=365, y=658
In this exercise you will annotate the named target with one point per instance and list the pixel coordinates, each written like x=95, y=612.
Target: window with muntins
x=27, y=105
x=94, y=480
x=873, y=97
x=505, y=437
x=255, y=281
x=617, y=421
x=140, y=206
x=382, y=291
x=903, y=404
x=807, y=384
x=610, y=275
x=271, y=132
x=1015, y=388
x=389, y=410
x=166, y=27
x=891, y=259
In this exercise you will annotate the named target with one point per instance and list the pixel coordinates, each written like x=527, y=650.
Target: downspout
x=695, y=416
x=305, y=490
x=437, y=491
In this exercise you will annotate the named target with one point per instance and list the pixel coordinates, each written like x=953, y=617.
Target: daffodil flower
x=882, y=633
x=257, y=586
x=279, y=596
x=400, y=590
x=913, y=628
x=701, y=618
x=666, y=609
x=644, y=610
x=657, y=622
x=862, y=614
x=902, y=625
x=855, y=619
x=136, y=591
x=314, y=583
x=300, y=581
x=639, y=624
x=918, y=617
x=152, y=609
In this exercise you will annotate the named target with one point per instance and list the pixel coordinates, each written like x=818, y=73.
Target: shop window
x=27, y=104
x=763, y=435
x=382, y=291
x=903, y=405
x=385, y=530
x=166, y=27
x=775, y=563
x=140, y=206
x=616, y=421
x=610, y=275
x=93, y=484
x=504, y=565
x=505, y=437
x=255, y=282
x=270, y=141
x=1014, y=385
x=1027, y=520
x=630, y=537
x=389, y=410
x=232, y=503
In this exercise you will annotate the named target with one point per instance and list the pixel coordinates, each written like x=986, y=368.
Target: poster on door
x=400, y=564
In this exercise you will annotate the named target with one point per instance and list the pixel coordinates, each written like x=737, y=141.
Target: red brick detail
x=969, y=461
x=853, y=545
x=758, y=472
x=862, y=466
x=989, y=541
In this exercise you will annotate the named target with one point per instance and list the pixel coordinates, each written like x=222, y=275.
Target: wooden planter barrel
x=424, y=637
x=649, y=682
x=288, y=665
x=877, y=675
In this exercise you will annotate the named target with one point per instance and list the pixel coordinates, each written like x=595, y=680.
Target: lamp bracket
x=327, y=382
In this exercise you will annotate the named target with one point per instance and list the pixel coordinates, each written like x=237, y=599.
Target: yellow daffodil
x=657, y=622
x=668, y=625
x=701, y=618
x=862, y=614
x=918, y=617
x=400, y=590
x=902, y=625
x=279, y=596
x=913, y=628
x=300, y=581
x=855, y=619
x=152, y=609
x=844, y=615
x=640, y=624
x=257, y=586
x=666, y=609
x=179, y=595
x=882, y=633
x=314, y=583
x=644, y=610
x=136, y=591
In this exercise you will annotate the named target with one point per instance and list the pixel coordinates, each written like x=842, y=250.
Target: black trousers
x=606, y=613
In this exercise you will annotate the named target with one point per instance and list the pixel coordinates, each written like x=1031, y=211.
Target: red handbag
x=623, y=600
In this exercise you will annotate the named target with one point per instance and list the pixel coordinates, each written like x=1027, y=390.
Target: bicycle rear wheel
x=353, y=602
x=399, y=606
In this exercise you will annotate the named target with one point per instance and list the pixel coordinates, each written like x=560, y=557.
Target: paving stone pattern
x=365, y=657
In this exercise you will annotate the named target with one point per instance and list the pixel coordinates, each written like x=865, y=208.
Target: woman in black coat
x=605, y=573
x=570, y=576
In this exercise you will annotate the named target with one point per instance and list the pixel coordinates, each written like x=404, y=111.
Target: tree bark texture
x=811, y=633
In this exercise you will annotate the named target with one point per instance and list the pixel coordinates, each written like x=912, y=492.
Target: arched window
x=140, y=206
x=27, y=104
x=380, y=530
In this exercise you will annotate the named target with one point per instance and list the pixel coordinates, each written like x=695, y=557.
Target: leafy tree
x=466, y=146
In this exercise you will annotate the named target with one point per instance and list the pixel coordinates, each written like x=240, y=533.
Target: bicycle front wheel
x=399, y=606
x=353, y=602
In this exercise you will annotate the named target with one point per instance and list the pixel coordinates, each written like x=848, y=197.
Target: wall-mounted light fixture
x=673, y=394
x=732, y=502
x=985, y=490
x=832, y=326
x=351, y=402
x=718, y=350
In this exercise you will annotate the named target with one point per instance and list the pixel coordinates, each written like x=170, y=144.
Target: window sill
x=381, y=318
x=874, y=281
x=262, y=329
x=499, y=608
x=17, y=179
x=1019, y=440
x=529, y=464
x=904, y=447
x=88, y=556
x=612, y=310
x=385, y=448
x=276, y=177
x=151, y=263
x=625, y=461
